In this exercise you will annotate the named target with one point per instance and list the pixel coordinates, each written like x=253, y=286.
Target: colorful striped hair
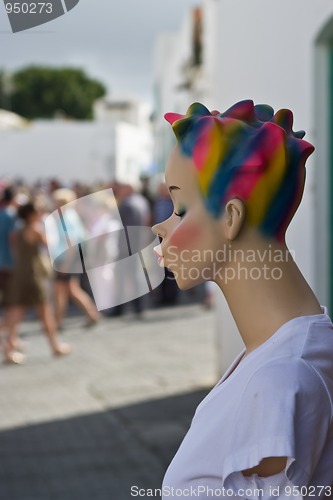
x=250, y=153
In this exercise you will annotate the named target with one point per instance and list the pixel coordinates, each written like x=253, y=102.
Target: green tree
x=5, y=89
x=40, y=92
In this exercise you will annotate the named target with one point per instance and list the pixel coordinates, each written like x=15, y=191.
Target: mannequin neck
x=264, y=287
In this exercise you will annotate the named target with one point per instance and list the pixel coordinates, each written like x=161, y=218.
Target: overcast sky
x=112, y=40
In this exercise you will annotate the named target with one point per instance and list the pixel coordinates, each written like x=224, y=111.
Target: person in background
x=145, y=191
x=134, y=211
x=7, y=225
x=66, y=283
x=26, y=287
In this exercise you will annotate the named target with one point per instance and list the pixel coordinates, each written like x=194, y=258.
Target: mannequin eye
x=181, y=213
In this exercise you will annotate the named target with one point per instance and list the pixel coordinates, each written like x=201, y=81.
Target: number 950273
x=29, y=8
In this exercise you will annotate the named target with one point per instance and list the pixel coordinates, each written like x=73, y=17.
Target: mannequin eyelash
x=180, y=214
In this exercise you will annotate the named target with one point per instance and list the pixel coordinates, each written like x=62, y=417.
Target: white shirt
x=276, y=402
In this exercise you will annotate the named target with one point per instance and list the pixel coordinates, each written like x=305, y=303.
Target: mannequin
x=236, y=180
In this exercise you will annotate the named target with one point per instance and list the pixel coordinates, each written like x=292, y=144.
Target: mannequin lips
x=160, y=259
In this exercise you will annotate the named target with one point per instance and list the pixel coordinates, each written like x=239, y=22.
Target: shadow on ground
x=96, y=456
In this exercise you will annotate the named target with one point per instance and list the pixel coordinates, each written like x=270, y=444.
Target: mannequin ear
x=234, y=217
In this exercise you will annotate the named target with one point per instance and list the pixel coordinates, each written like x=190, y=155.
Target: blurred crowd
x=27, y=277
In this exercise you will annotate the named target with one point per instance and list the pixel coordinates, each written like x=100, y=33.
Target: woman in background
x=28, y=284
x=66, y=282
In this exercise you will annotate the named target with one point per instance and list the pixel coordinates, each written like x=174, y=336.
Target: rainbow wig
x=247, y=152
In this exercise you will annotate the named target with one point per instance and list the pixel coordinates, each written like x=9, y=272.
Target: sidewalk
x=111, y=415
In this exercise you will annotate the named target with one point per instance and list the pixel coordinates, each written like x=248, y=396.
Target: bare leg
x=45, y=313
x=12, y=318
x=61, y=293
x=16, y=343
x=83, y=300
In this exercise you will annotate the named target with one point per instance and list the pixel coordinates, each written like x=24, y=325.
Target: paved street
x=111, y=415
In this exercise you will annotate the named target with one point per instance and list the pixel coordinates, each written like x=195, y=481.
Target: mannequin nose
x=158, y=230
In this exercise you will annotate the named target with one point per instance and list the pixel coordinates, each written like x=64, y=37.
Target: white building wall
x=163, y=78
x=133, y=152
x=173, y=53
x=75, y=151
x=266, y=52
x=122, y=108
x=67, y=150
x=210, y=66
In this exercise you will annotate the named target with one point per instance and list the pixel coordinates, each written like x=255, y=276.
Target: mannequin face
x=191, y=238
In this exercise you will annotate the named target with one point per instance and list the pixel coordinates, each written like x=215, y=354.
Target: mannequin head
x=250, y=153
x=232, y=173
